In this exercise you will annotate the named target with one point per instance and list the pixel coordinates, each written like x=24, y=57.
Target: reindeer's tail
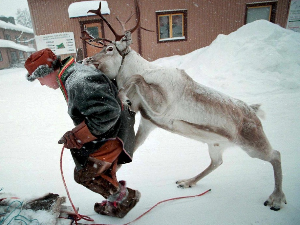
x=259, y=112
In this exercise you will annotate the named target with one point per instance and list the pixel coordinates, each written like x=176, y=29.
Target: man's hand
x=69, y=140
x=77, y=137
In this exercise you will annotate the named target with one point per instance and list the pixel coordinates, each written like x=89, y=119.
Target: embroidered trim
x=62, y=76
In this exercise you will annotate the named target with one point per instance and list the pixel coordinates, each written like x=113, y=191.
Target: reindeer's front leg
x=148, y=97
x=144, y=130
x=123, y=95
x=134, y=85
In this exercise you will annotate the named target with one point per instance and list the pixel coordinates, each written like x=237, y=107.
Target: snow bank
x=257, y=51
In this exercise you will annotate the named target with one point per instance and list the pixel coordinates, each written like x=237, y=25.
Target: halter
x=123, y=54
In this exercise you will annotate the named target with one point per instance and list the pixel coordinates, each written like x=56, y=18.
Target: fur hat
x=41, y=63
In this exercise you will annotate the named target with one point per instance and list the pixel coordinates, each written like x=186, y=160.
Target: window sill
x=172, y=39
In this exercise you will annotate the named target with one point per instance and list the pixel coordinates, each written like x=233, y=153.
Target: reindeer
x=170, y=99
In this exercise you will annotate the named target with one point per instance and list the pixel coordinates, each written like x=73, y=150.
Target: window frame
x=1, y=58
x=272, y=4
x=82, y=24
x=171, y=13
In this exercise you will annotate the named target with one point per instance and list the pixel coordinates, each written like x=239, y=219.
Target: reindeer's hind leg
x=273, y=156
x=259, y=147
x=277, y=196
x=215, y=153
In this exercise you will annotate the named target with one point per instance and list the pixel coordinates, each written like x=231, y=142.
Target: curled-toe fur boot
x=120, y=203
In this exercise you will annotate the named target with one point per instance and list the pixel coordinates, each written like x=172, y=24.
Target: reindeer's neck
x=132, y=64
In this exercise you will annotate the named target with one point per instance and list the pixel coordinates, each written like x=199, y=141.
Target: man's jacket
x=92, y=97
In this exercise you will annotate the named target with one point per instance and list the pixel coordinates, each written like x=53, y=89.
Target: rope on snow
x=79, y=217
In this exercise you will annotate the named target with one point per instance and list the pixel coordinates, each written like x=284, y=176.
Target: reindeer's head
x=109, y=60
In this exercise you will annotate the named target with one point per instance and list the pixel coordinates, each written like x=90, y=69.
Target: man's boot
x=120, y=203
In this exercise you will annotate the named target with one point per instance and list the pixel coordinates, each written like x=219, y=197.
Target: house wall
x=205, y=21
x=6, y=52
x=21, y=37
x=5, y=60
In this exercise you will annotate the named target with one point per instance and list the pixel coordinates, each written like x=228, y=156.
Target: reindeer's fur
x=170, y=99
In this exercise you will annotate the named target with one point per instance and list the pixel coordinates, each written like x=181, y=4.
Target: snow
x=27, y=216
x=11, y=44
x=174, y=38
x=170, y=10
x=17, y=27
x=258, y=63
x=79, y=9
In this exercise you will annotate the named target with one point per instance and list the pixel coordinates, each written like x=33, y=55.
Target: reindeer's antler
x=98, y=12
x=138, y=17
x=118, y=36
x=88, y=39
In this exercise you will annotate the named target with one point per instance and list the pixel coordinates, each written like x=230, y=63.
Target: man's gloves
x=78, y=136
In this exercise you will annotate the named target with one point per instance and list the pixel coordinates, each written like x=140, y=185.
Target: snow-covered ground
x=259, y=63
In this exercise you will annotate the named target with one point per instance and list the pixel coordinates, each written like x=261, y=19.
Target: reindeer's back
x=199, y=104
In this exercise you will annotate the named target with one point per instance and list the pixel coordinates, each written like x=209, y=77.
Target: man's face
x=50, y=80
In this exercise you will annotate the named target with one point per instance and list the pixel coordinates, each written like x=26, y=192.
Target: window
x=261, y=11
x=7, y=37
x=96, y=29
x=171, y=25
x=21, y=55
x=1, y=59
x=93, y=31
x=14, y=57
x=25, y=41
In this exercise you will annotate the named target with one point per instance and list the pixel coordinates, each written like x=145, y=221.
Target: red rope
x=167, y=200
x=79, y=217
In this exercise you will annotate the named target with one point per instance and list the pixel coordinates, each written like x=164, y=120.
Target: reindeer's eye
x=109, y=49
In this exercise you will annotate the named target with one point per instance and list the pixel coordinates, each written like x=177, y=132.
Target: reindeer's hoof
x=275, y=209
x=275, y=201
x=184, y=184
x=128, y=102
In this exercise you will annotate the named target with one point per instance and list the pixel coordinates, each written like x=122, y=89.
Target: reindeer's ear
x=124, y=43
x=127, y=36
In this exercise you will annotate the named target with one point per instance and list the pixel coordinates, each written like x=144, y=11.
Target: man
x=103, y=135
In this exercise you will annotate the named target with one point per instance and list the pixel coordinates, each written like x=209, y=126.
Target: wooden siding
x=205, y=21
x=5, y=60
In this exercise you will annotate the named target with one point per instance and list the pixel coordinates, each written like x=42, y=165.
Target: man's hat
x=40, y=64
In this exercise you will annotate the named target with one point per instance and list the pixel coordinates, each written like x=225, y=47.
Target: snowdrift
x=260, y=54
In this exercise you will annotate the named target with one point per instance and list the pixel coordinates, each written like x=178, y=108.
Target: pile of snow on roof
x=17, y=27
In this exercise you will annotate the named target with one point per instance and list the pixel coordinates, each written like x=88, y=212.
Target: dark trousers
x=99, y=175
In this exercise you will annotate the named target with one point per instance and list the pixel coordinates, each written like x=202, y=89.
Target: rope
x=10, y=217
x=79, y=217
x=167, y=200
